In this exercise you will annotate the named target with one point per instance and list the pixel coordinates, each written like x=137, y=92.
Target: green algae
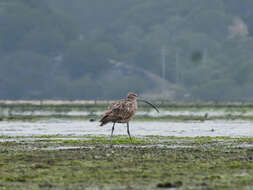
x=95, y=141
x=207, y=165
x=125, y=139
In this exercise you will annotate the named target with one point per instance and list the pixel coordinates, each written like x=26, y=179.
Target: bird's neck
x=131, y=99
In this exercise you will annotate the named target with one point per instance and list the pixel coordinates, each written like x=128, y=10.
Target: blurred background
x=185, y=50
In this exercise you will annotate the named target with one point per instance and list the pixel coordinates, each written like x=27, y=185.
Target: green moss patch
x=207, y=165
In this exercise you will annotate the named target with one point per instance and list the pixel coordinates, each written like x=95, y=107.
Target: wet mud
x=151, y=162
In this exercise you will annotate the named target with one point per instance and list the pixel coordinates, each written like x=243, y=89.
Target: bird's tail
x=104, y=120
x=101, y=124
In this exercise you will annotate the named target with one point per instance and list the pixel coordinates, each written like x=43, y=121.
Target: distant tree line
x=62, y=49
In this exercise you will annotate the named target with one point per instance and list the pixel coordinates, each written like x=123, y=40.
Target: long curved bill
x=141, y=100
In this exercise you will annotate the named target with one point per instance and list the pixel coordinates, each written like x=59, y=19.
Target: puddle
x=31, y=139
x=64, y=148
x=175, y=146
x=178, y=129
x=155, y=146
x=117, y=146
x=245, y=145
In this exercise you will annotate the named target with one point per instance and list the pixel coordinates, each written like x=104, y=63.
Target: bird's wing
x=119, y=110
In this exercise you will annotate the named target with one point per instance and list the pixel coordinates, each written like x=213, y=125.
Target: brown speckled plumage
x=121, y=111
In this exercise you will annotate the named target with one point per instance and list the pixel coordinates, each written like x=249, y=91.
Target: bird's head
x=132, y=96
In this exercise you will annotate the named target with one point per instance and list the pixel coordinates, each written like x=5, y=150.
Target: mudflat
x=151, y=162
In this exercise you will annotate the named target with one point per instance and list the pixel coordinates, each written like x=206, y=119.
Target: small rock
x=165, y=185
x=203, y=184
x=48, y=185
x=170, y=185
x=92, y=120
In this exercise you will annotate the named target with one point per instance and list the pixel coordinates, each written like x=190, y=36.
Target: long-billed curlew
x=122, y=111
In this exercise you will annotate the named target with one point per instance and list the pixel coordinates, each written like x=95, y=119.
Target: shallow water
x=118, y=146
x=137, y=128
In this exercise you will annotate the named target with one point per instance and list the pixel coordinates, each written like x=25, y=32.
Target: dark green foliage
x=66, y=48
x=20, y=75
x=87, y=57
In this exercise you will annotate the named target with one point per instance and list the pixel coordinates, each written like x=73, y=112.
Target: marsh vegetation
x=182, y=149
x=152, y=162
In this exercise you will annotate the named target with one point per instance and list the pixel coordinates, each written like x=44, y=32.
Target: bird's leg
x=112, y=133
x=129, y=133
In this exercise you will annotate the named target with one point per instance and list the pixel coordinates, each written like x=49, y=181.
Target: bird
x=122, y=111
